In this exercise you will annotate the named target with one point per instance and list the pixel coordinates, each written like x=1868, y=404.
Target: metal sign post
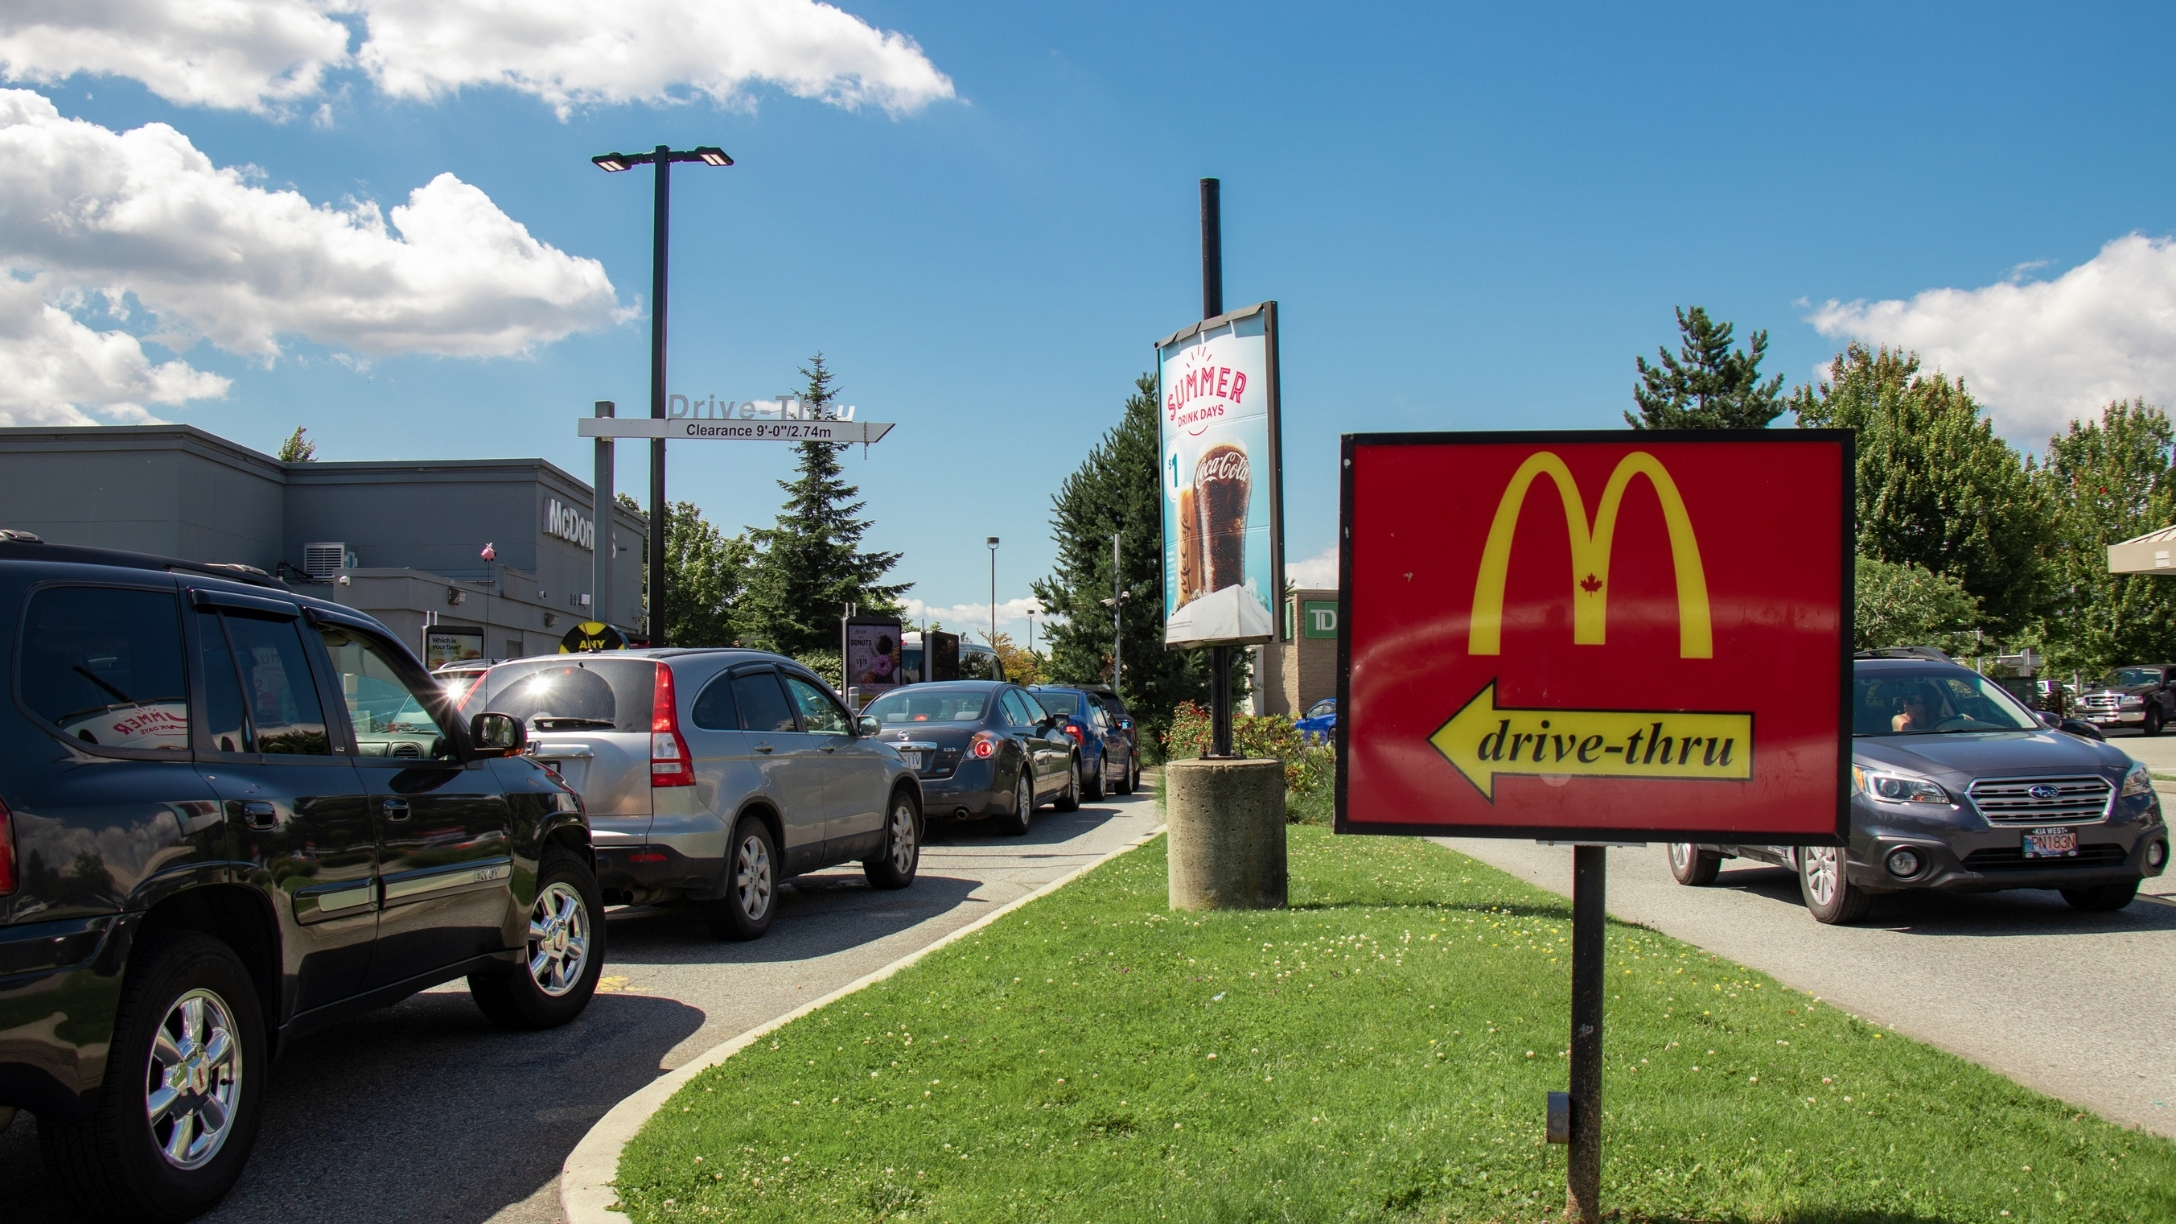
x=1637, y=658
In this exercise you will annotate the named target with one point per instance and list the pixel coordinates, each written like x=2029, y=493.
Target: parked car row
x=1957, y=787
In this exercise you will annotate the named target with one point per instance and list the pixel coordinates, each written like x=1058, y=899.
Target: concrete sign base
x=1226, y=821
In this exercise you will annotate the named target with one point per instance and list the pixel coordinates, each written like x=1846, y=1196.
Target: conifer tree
x=1707, y=386
x=1115, y=490
x=810, y=564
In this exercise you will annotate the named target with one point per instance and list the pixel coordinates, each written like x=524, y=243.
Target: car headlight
x=2129, y=703
x=2139, y=781
x=1897, y=788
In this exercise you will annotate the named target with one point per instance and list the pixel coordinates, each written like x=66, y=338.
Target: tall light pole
x=992, y=542
x=660, y=236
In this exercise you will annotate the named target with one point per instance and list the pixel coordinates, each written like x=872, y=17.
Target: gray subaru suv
x=710, y=776
x=1957, y=787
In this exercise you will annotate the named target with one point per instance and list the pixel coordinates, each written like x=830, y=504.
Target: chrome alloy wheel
x=752, y=883
x=1819, y=865
x=558, y=939
x=1681, y=856
x=194, y=1079
x=904, y=848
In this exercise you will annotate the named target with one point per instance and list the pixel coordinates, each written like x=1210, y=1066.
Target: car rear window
x=922, y=704
x=1059, y=703
x=106, y=666
x=584, y=693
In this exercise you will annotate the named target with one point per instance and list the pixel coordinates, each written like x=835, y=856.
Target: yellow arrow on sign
x=1484, y=739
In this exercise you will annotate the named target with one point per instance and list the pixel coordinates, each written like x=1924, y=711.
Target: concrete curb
x=586, y=1192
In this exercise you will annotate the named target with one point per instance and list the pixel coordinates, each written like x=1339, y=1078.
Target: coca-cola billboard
x=1222, y=478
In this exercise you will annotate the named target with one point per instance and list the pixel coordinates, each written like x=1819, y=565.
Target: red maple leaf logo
x=1590, y=584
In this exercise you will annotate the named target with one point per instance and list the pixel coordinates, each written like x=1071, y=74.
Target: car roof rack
x=1904, y=652
x=22, y=545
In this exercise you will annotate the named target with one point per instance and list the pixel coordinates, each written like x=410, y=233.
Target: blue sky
x=1473, y=219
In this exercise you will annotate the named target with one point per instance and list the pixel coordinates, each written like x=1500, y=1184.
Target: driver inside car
x=1916, y=711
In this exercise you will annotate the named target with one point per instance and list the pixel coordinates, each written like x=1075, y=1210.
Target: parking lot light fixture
x=711, y=155
x=611, y=163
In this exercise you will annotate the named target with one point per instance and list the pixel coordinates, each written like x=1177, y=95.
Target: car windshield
x=2123, y=677
x=923, y=704
x=1058, y=703
x=1933, y=701
x=1322, y=708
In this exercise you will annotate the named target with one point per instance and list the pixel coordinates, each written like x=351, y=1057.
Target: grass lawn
x=1379, y=1051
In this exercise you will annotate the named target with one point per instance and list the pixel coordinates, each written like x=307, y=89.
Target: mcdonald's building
x=402, y=540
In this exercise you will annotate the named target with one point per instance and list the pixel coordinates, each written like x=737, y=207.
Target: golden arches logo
x=1590, y=555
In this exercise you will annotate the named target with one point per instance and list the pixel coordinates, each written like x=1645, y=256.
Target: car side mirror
x=497, y=735
x=866, y=726
x=2050, y=719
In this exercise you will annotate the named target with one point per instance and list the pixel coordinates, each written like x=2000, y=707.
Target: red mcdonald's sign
x=1621, y=635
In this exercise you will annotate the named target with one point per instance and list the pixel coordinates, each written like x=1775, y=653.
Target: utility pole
x=1118, y=617
x=600, y=558
x=992, y=542
x=1212, y=305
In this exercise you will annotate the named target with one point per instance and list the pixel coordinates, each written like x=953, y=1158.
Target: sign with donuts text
x=1222, y=479
x=1615, y=636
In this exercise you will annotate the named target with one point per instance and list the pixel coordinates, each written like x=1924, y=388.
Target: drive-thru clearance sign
x=1623, y=636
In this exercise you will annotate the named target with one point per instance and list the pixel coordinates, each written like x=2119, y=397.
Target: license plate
x=2100, y=718
x=2051, y=843
x=915, y=760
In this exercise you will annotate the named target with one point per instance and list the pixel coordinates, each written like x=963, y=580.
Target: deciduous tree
x=2104, y=482
x=704, y=573
x=1908, y=605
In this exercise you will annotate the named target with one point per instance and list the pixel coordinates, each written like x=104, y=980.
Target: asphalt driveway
x=426, y=1112
x=2074, y=1005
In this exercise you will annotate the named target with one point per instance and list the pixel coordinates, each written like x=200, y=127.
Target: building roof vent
x=324, y=561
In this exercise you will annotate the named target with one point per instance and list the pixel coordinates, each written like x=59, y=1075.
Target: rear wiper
x=572, y=724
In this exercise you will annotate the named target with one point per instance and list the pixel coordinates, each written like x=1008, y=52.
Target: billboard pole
x=1212, y=305
x=600, y=558
x=1583, y=1171
x=1118, y=618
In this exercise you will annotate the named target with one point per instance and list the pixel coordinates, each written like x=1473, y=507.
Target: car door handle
x=394, y=809
x=763, y=748
x=258, y=814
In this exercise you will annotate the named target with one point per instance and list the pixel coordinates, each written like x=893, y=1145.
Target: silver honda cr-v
x=712, y=775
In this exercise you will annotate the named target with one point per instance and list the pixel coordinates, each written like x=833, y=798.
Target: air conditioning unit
x=325, y=560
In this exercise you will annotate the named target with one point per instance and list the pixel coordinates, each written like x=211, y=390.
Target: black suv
x=229, y=814
x=2142, y=695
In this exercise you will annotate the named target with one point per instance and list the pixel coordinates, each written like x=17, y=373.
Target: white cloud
x=573, y=52
x=1316, y=573
x=51, y=364
x=258, y=54
x=243, y=54
x=974, y=618
x=2041, y=353
x=212, y=256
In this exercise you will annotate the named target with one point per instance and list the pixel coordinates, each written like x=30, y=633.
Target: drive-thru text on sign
x=1624, y=635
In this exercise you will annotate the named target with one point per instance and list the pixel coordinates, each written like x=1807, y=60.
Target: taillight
x=1073, y=729
x=670, y=762
x=984, y=746
x=7, y=851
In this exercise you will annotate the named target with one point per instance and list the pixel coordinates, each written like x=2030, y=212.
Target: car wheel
x=2153, y=721
x=1094, y=793
x=2102, y=898
x=1070, y=800
x=1828, y=891
x=1023, y=806
x=1133, y=773
x=1693, y=866
x=902, y=845
x=751, y=885
x=562, y=958
x=1125, y=777
x=178, y=1111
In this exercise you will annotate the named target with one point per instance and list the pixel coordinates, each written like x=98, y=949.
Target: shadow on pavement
x=1048, y=829
x=678, y=936
x=469, y=1119
x=2020, y=911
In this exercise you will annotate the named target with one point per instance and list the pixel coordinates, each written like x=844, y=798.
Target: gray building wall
x=417, y=529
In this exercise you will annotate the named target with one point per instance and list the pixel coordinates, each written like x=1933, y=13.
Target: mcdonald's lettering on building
x=1623, y=635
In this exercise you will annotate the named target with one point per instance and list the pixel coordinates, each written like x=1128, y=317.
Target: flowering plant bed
x=1379, y=1051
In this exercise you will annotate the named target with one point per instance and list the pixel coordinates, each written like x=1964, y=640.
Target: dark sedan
x=982, y=748
x=1106, y=753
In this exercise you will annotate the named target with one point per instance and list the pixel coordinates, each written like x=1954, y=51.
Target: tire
x=895, y=867
x=1070, y=800
x=751, y=885
x=1133, y=772
x=1094, y=793
x=1124, y=785
x=1693, y=867
x=2102, y=898
x=1830, y=896
x=1023, y=806
x=189, y=1017
x=2153, y=721
x=561, y=959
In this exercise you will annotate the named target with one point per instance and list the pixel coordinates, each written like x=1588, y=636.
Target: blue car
x=1320, y=725
x=1106, y=755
